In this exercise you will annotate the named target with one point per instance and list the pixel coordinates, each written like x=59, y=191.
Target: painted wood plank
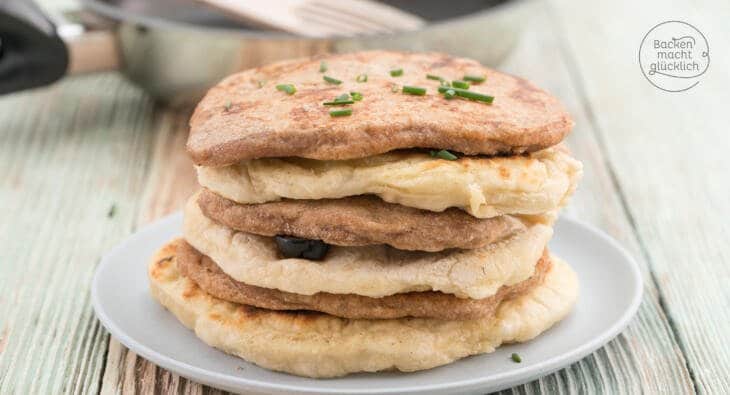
x=67, y=155
x=170, y=182
x=171, y=179
x=645, y=358
x=668, y=153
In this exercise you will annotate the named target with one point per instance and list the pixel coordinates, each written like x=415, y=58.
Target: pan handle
x=31, y=52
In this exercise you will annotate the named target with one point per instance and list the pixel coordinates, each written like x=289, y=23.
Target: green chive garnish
x=332, y=80
x=449, y=94
x=362, y=78
x=288, y=88
x=396, y=72
x=394, y=88
x=322, y=67
x=460, y=84
x=338, y=102
x=228, y=105
x=434, y=77
x=414, y=90
x=474, y=78
x=445, y=83
x=468, y=94
x=443, y=154
x=356, y=96
x=516, y=358
x=341, y=113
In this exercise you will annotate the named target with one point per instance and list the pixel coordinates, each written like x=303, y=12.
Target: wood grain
x=667, y=152
x=68, y=154
x=644, y=358
x=171, y=180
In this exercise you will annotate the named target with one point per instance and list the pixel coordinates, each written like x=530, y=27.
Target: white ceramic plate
x=610, y=294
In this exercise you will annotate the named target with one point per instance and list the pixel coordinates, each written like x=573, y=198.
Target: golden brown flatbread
x=361, y=220
x=245, y=117
x=211, y=279
x=315, y=344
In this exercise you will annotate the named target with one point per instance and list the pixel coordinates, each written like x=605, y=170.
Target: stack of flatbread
x=404, y=235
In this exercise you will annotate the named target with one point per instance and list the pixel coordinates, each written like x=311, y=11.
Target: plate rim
x=501, y=380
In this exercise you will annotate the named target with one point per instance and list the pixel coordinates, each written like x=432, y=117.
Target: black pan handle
x=31, y=53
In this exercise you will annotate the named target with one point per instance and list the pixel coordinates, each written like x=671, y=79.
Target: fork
x=321, y=18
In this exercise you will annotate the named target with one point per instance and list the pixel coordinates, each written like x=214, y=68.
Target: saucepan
x=176, y=49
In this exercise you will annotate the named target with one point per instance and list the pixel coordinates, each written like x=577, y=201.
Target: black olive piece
x=295, y=247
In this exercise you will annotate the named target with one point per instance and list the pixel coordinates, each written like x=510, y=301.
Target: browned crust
x=211, y=279
x=263, y=122
x=359, y=221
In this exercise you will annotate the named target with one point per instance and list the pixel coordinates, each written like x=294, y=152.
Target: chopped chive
x=445, y=83
x=332, y=80
x=434, y=77
x=414, y=90
x=341, y=113
x=340, y=100
x=394, y=88
x=288, y=88
x=356, y=96
x=362, y=78
x=396, y=72
x=516, y=358
x=468, y=94
x=228, y=105
x=460, y=84
x=322, y=66
x=474, y=78
x=449, y=94
x=443, y=154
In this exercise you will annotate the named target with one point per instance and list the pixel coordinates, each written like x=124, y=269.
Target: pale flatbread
x=484, y=187
x=211, y=279
x=374, y=271
x=320, y=345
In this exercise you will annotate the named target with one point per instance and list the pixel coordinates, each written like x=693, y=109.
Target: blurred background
x=148, y=41
x=95, y=96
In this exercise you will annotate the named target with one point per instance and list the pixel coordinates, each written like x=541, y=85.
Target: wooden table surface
x=85, y=162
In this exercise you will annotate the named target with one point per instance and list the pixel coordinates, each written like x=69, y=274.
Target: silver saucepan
x=177, y=49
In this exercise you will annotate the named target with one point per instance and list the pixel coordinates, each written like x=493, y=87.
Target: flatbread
x=211, y=279
x=373, y=271
x=362, y=220
x=245, y=117
x=484, y=187
x=320, y=345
